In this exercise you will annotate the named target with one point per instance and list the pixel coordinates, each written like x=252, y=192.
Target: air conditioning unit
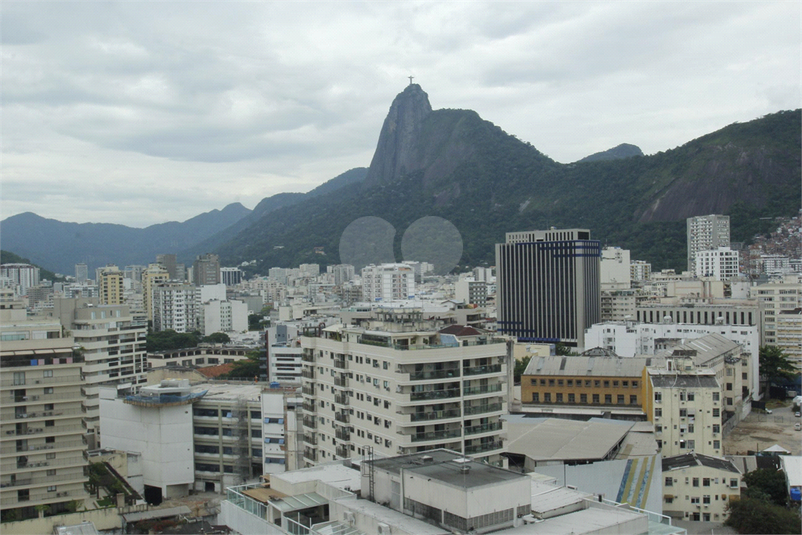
x=383, y=529
x=349, y=518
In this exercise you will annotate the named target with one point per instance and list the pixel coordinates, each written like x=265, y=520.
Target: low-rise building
x=699, y=487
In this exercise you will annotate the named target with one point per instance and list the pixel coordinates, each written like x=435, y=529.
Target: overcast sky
x=144, y=112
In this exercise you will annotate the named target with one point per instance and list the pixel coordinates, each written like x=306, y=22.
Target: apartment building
x=640, y=270
x=220, y=316
x=20, y=276
x=720, y=264
x=789, y=334
x=387, y=282
x=548, y=285
x=110, y=286
x=685, y=406
x=615, y=269
x=704, y=233
x=154, y=275
x=595, y=379
x=704, y=311
x=42, y=442
x=774, y=298
x=394, y=383
x=174, y=307
x=114, y=352
x=206, y=270
x=699, y=487
x=471, y=292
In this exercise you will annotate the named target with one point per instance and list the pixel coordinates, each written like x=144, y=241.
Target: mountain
x=624, y=150
x=61, y=245
x=453, y=164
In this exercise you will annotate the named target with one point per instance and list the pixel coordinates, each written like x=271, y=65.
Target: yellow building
x=110, y=286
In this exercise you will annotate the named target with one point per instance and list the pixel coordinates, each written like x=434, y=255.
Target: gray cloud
x=134, y=112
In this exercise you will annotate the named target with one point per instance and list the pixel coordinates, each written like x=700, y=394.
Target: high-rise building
x=21, y=276
x=110, y=286
x=174, y=307
x=169, y=263
x=640, y=270
x=720, y=264
x=706, y=232
x=154, y=275
x=81, y=273
x=548, y=285
x=365, y=388
x=113, y=350
x=230, y=276
x=206, y=270
x=388, y=282
x=42, y=448
x=776, y=298
x=616, y=271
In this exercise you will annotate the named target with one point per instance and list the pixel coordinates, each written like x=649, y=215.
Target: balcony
x=309, y=407
x=482, y=409
x=307, y=356
x=343, y=451
x=426, y=416
x=426, y=375
x=340, y=364
x=483, y=448
x=341, y=381
x=485, y=428
x=310, y=439
x=434, y=394
x=343, y=434
x=308, y=373
x=309, y=422
x=308, y=390
x=342, y=417
x=485, y=389
x=481, y=370
x=311, y=454
x=341, y=399
x=436, y=435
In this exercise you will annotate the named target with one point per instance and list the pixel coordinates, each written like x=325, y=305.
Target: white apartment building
x=388, y=282
x=154, y=275
x=113, y=346
x=174, y=307
x=396, y=383
x=686, y=409
x=42, y=443
x=720, y=264
x=775, y=297
x=471, y=292
x=20, y=276
x=284, y=363
x=699, y=487
x=789, y=334
x=640, y=270
x=222, y=316
x=615, y=269
x=706, y=232
x=617, y=305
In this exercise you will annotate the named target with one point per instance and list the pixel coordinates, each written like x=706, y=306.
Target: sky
x=144, y=112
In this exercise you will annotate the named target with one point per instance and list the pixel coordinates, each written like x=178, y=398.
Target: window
x=547, y=397
x=683, y=413
x=694, y=499
x=559, y=397
x=633, y=399
x=658, y=412
x=669, y=499
x=716, y=396
x=733, y=483
x=658, y=397
x=606, y=384
x=535, y=397
x=595, y=398
x=608, y=399
x=669, y=482
x=705, y=481
x=691, y=444
x=570, y=382
x=49, y=390
x=716, y=413
x=634, y=384
x=583, y=398
x=571, y=398
x=691, y=396
x=51, y=488
x=716, y=444
x=559, y=382
x=625, y=383
x=716, y=428
x=620, y=399
x=47, y=373
x=533, y=382
x=706, y=499
x=51, y=472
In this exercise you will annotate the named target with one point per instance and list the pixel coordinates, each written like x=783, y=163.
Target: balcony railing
x=341, y=381
x=434, y=394
x=434, y=374
x=432, y=415
x=343, y=451
x=342, y=417
x=310, y=422
x=340, y=363
x=486, y=389
x=481, y=409
x=310, y=453
x=308, y=373
x=481, y=448
x=485, y=428
x=342, y=434
x=307, y=357
x=309, y=407
x=310, y=439
x=436, y=435
x=481, y=370
x=341, y=399
x=308, y=390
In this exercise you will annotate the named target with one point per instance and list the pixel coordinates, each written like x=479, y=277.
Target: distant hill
x=453, y=164
x=62, y=245
x=7, y=257
x=624, y=150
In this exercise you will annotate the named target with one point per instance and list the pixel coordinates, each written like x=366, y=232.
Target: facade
x=154, y=275
x=548, y=285
x=615, y=269
x=284, y=363
x=230, y=276
x=789, y=335
x=206, y=270
x=42, y=445
x=113, y=347
x=720, y=264
x=110, y=286
x=699, y=487
x=342, y=273
x=222, y=316
x=598, y=381
x=617, y=305
x=396, y=384
x=388, y=282
x=471, y=292
x=204, y=355
x=174, y=307
x=700, y=312
x=706, y=232
x=774, y=298
x=81, y=273
x=640, y=270
x=169, y=261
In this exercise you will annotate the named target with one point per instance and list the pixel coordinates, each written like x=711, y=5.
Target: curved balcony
x=481, y=370
x=427, y=416
x=484, y=428
x=436, y=435
x=484, y=409
x=479, y=390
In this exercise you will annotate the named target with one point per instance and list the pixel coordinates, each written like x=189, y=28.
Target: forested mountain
x=452, y=164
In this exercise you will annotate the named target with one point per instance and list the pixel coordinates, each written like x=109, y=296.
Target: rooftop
x=675, y=380
x=543, y=439
x=591, y=366
x=689, y=460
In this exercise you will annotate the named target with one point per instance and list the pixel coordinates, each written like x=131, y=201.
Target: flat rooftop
x=554, y=439
x=448, y=467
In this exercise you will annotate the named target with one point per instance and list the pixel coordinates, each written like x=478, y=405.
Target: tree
x=753, y=515
x=774, y=363
x=169, y=339
x=216, y=338
x=564, y=350
x=520, y=368
x=769, y=483
x=246, y=368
